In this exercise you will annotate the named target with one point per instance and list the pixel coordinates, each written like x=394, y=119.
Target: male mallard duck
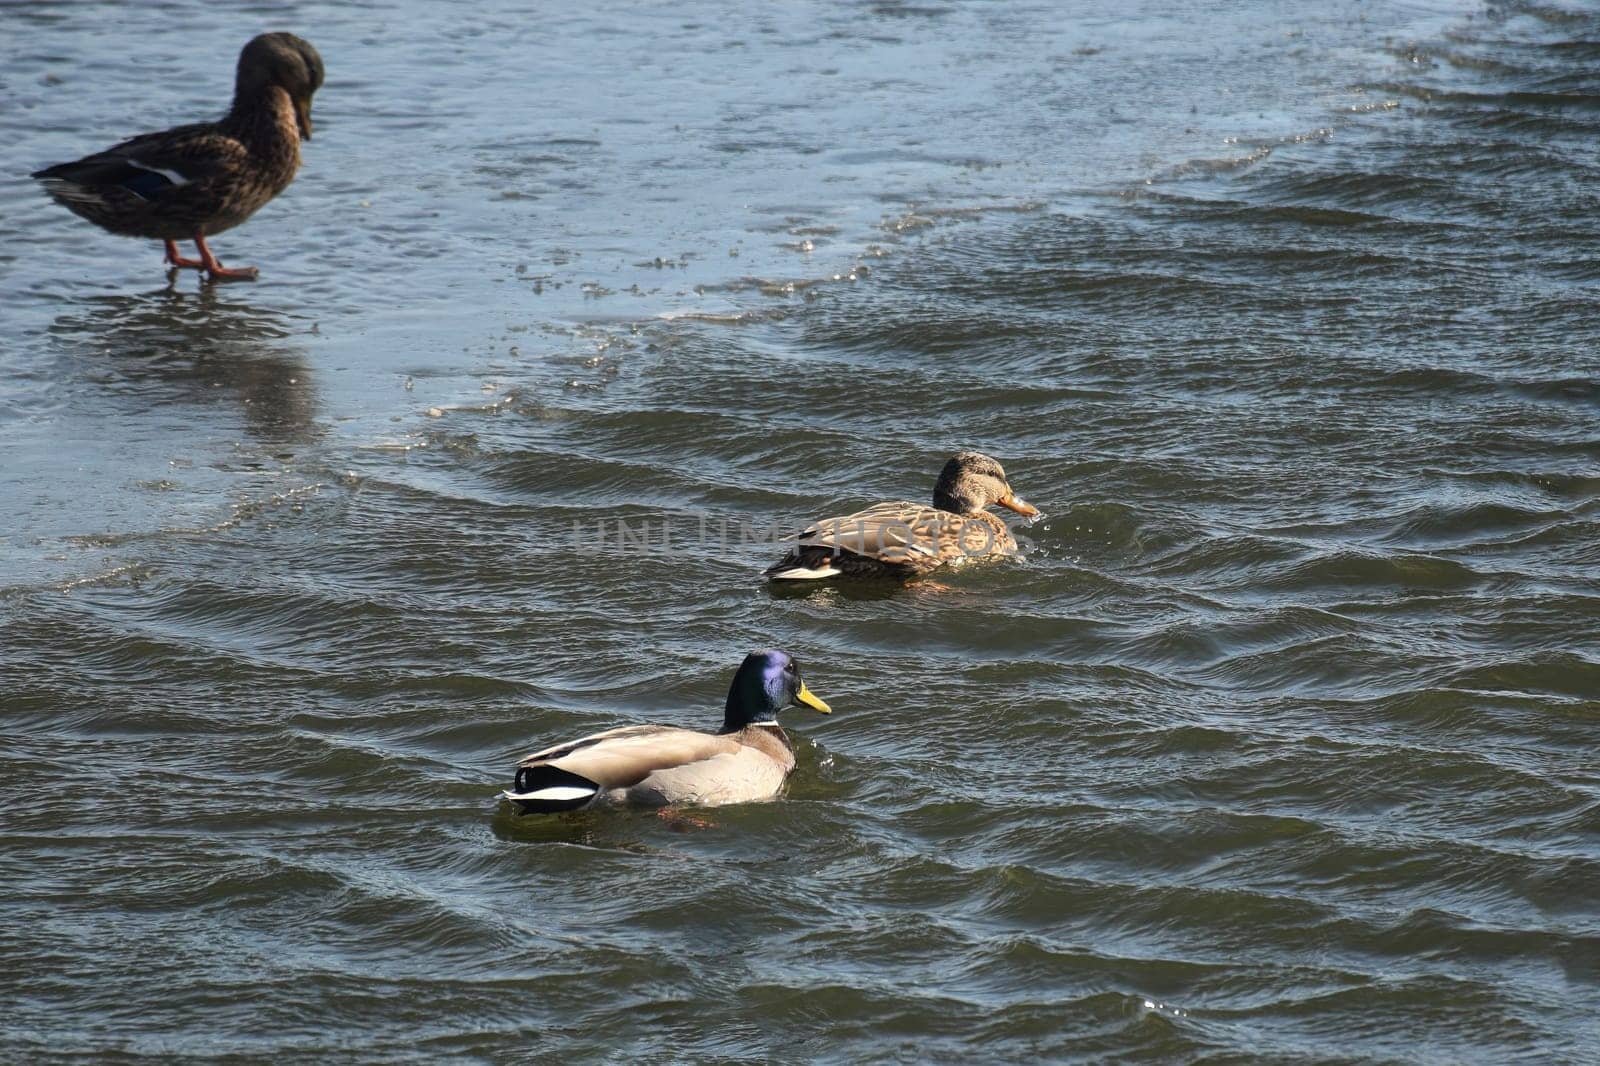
x=663, y=765
x=905, y=539
x=192, y=182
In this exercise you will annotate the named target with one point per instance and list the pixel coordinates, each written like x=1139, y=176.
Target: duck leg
x=681, y=822
x=179, y=261
x=214, y=268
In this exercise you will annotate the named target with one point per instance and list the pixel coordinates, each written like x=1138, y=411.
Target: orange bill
x=1019, y=505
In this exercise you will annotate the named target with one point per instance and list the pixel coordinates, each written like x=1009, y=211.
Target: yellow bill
x=806, y=697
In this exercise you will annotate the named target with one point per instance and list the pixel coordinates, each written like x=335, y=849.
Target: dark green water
x=1277, y=747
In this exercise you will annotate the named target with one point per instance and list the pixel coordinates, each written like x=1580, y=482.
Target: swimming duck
x=193, y=182
x=905, y=539
x=662, y=765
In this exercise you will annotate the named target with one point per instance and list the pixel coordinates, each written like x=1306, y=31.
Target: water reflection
x=860, y=590
x=201, y=347
x=619, y=831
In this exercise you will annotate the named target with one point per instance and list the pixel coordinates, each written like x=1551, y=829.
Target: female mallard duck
x=663, y=765
x=192, y=182
x=906, y=539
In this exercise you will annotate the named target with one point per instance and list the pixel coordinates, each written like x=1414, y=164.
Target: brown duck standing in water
x=193, y=182
x=905, y=539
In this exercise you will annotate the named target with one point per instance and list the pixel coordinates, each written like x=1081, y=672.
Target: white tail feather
x=552, y=794
x=805, y=573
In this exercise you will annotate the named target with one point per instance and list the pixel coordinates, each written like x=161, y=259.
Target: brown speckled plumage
x=195, y=181
x=904, y=539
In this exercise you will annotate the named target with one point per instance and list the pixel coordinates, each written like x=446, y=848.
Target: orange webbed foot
x=222, y=273
x=679, y=822
x=215, y=271
x=174, y=259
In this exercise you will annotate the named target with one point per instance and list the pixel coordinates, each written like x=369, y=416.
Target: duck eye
x=789, y=666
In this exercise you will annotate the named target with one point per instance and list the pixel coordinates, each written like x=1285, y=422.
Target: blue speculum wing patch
x=146, y=183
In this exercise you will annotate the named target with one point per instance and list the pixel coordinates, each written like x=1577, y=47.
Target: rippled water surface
x=1278, y=746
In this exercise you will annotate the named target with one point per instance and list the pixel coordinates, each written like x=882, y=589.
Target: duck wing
x=153, y=165
x=899, y=538
x=745, y=775
x=626, y=760
x=889, y=532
